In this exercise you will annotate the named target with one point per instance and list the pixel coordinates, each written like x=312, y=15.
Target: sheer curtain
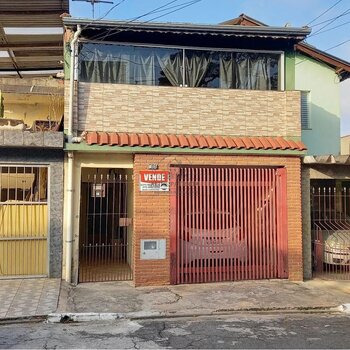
x=171, y=66
x=107, y=63
x=103, y=64
x=196, y=66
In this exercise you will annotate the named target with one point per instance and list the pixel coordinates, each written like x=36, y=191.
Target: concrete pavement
x=38, y=297
x=122, y=299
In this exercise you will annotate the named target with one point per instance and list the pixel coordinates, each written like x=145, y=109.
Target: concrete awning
x=327, y=159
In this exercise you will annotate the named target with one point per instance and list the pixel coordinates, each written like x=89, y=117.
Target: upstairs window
x=107, y=63
x=305, y=110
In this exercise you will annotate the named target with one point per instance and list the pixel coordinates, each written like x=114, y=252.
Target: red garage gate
x=228, y=224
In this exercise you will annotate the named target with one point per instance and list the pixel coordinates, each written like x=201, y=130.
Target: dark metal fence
x=330, y=208
x=105, y=227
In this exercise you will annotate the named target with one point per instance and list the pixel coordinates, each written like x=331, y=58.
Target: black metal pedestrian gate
x=105, y=226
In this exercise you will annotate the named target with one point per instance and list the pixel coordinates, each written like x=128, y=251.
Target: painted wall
x=81, y=161
x=323, y=137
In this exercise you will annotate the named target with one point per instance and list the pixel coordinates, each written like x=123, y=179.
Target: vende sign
x=154, y=180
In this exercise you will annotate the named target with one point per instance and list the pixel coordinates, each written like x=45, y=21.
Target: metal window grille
x=330, y=210
x=23, y=220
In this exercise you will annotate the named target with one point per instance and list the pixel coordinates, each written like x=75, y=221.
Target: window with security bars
x=305, y=110
x=25, y=184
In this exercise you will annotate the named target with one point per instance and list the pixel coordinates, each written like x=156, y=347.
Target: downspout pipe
x=70, y=165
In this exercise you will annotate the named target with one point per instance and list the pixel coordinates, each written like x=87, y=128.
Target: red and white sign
x=154, y=180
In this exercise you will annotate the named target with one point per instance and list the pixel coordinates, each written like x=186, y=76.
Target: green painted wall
x=310, y=75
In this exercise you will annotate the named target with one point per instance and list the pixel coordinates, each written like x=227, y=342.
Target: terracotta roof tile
x=229, y=142
x=239, y=143
x=113, y=138
x=154, y=140
x=134, y=140
x=123, y=139
x=247, y=142
x=183, y=141
x=91, y=138
x=257, y=143
x=211, y=141
x=219, y=141
x=202, y=141
x=174, y=142
x=143, y=140
x=164, y=142
x=191, y=141
x=103, y=138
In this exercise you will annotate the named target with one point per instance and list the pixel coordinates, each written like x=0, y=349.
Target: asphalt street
x=287, y=331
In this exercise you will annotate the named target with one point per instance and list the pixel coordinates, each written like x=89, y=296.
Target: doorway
x=105, y=249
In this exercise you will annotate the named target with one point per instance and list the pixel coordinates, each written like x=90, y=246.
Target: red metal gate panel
x=228, y=224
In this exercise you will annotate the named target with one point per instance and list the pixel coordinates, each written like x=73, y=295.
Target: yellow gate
x=23, y=221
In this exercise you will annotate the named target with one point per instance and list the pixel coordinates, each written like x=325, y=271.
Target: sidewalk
x=28, y=297
x=201, y=299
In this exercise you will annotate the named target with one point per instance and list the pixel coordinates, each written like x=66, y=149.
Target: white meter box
x=153, y=249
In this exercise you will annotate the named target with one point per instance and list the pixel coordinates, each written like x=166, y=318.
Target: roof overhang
x=189, y=28
x=341, y=67
x=31, y=36
x=328, y=159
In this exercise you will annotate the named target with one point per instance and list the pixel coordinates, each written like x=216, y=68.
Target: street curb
x=344, y=308
x=143, y=315
x=67, y=317
x=22, y=319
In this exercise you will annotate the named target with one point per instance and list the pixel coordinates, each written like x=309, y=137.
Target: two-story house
x=184, y=153
x=325, y=174
x=31, y=138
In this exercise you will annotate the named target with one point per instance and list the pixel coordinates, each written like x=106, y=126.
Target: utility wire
x=327, y=30
x=332, y=21
x=328, y=20
x=323, y=13
x=105, y=15
x=178, y=8
x=98, y=37
x=342, y=43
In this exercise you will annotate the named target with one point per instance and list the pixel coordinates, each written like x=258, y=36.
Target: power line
x=323, y=13
x=327, y=30
x=332, y=21
x=342, y=43
x=179, y=7
x=136, y=18
x=105, y=15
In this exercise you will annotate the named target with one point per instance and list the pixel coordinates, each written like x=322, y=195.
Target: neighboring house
x=184, y=153
x=31, y=139
x=345, y=145
x=325, y=174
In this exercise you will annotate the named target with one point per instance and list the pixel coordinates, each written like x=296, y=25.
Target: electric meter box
x=153, y=249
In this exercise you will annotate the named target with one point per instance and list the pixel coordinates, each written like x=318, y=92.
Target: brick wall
x=130, y=108
x=152, y=211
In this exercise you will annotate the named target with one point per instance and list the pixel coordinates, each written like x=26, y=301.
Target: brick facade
x=152, y=210
x=175, y=110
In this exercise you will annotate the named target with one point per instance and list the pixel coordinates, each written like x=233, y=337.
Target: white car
x=336, y=247
x=222, y=243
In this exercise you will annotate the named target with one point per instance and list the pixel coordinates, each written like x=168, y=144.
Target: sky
x=272, y=12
